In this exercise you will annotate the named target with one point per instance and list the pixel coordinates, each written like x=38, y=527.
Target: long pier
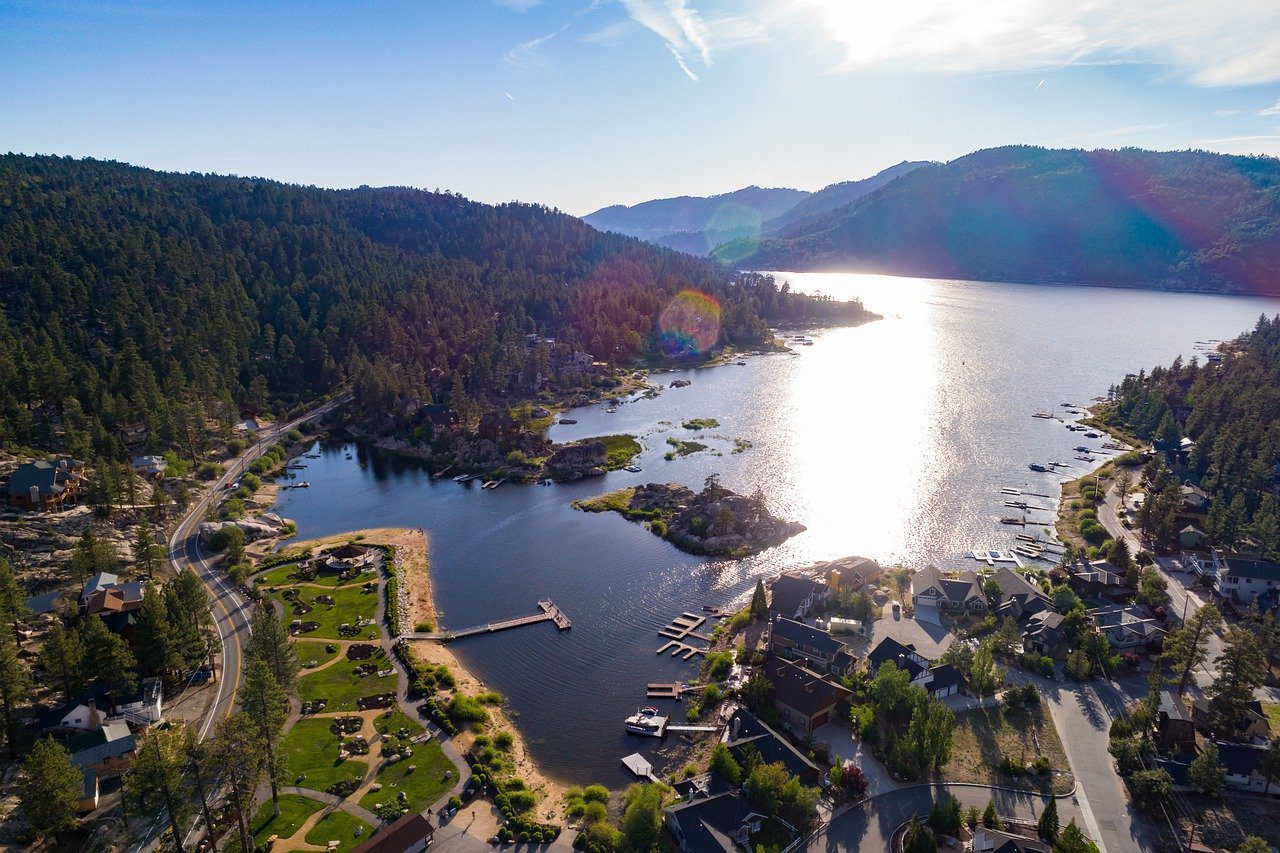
x=549, y=613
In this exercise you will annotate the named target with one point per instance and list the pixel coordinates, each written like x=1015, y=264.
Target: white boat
x=646, y=722
x=634, y=469
x=462, y=478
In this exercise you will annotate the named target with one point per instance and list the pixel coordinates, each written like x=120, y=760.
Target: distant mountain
x=725, y=217
x=838, y=195
x=697, y=224
x=1187, y=220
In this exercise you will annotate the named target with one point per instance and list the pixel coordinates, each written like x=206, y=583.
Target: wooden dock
x=678, y=648
x=678, y=632
x=669, y=691
x=693, y=728
x=549, y=613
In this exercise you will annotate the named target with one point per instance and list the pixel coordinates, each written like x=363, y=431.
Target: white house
x=1243, y=580
x=91, y=711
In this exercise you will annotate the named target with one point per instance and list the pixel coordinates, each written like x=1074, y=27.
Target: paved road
x=870, y=824
x=230, y=614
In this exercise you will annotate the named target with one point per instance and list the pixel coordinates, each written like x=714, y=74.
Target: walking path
x=372, y=760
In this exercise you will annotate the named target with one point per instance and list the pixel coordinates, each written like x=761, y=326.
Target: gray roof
x=707, y=823
x=788, y=593
x=110, y=741
x=101, y=580
x=1256, y=569
x=44, y=475
x=804, y=635
x=798, y=688
x=891, y=651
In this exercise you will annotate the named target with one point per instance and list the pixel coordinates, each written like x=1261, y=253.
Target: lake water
x=890, y=440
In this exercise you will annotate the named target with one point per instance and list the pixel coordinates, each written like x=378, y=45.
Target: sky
x=579, y=104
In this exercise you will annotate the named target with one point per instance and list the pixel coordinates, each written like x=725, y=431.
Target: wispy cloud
x=1270, y=111
x=1229, y=42
x=1257, y=144
x=525, y=54
x=518, y=5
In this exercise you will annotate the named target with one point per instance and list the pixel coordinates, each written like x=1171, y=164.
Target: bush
x=596, y=794
x=455, y=802
x=293, y=435
x=209, y=471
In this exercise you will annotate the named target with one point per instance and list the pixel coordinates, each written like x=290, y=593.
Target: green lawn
x=426, y=784
x=279, y=576
x=342, y=687
x=312, y=749
x=350, y=603
x=339, y=826
x=313, y=651
x=619, y=450
x=393, y=719
x=294, y=811
x=1272, y=710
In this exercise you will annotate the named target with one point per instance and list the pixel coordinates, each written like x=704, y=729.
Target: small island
x=715, y=521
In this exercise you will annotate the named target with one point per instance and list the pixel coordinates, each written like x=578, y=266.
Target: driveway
x=841, y=741
x=929, y=639
x=928, y=614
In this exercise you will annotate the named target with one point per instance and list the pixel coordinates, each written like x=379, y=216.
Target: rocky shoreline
x=716, y=521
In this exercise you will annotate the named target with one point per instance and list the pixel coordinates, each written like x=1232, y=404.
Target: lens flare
x=689, y=324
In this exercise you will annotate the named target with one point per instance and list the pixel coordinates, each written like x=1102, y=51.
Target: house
x=48, y=485
x=115, y=601
x=1194, y=498
x=1241, y=761
x=497, y=426
x=439, y=415
x=1128, y=627
x=793, y=640
x=1254, y=726
x=89, y=796
x=1174, y=727
x=576, y=362
x=945, y=680
x=906, y=658
x=410, y=834
x=931, y=588
x=94, y=708
x=1096, y=578
x=746, y=731
x=804, y=700
x=149, y=466
x=1191, y=537
x=714, y=824
x=997, y=841
x=1242, y=580
x=1018, y=596
x=1043, y=632
x=246, y=425
x=851, y=572
x=107, y=751
x=795, y=596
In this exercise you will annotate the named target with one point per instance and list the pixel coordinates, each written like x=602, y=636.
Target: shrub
x=503, y=740
x=209, y=470
x=596, y=794
x=293, y=435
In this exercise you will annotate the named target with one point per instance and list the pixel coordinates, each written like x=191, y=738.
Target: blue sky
x=583, y=103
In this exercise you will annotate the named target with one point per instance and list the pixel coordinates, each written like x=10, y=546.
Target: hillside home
x=804, y=700
x=48, y=485
x=931, y=588
x=94, y=708
x=148, y=466
x=814, y=648
x=107, y=751
x=1194, y=498
x=1128, y=627
x=795, y=596
x=1242, y=580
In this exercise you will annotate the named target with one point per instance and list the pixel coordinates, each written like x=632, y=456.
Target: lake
x=890, y=440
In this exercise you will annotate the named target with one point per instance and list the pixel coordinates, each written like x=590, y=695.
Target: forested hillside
x=1232, y=413
x=1184, y=220
x=139, y=298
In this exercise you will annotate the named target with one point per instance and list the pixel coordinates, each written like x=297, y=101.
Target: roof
x=1045, y=620
x=1240, y=759
x=796, y=687
x=745, y=729
x=1172, y=707
x=42, y=474
x=99, y=581
x=147, y=692
x=399, y=836
x=904, y=657
x=1193, y=489
x=46, y=602
x=798, y=632
x=1015, y=586
x=944, y=676
x=707, y=823
x=349, y=552
x=958, y=590
x=995, y=841
x=1256, y=569
x=788, y=593
x=110, y=741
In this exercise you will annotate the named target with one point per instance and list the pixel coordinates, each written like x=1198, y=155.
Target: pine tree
x=62, y=656
x=269, y=643
x=759, y=604
x=111, y=664
x=1188, y=646
x=1241, y=671
x=15, y=692
x=990, y=817
x=157, y=778
x=153, y=638
x=1072, y=840
x=237, y=752
x=13, y=601
x=1047, y=825
x=49, y=789
x=1269, y=764
x=148, y=556
x=187, y=603
x=1205, y=773
x=267, y=707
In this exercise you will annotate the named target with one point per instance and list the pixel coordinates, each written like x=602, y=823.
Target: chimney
x=34, y=492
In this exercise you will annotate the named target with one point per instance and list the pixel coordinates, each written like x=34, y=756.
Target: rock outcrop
x=715, y=521
x=267, y=524
x=578, y=460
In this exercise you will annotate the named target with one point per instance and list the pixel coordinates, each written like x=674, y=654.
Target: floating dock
x=669, y=691
x=550, y=613
x=678, y=648
x=679, y=630
x=692, y=728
